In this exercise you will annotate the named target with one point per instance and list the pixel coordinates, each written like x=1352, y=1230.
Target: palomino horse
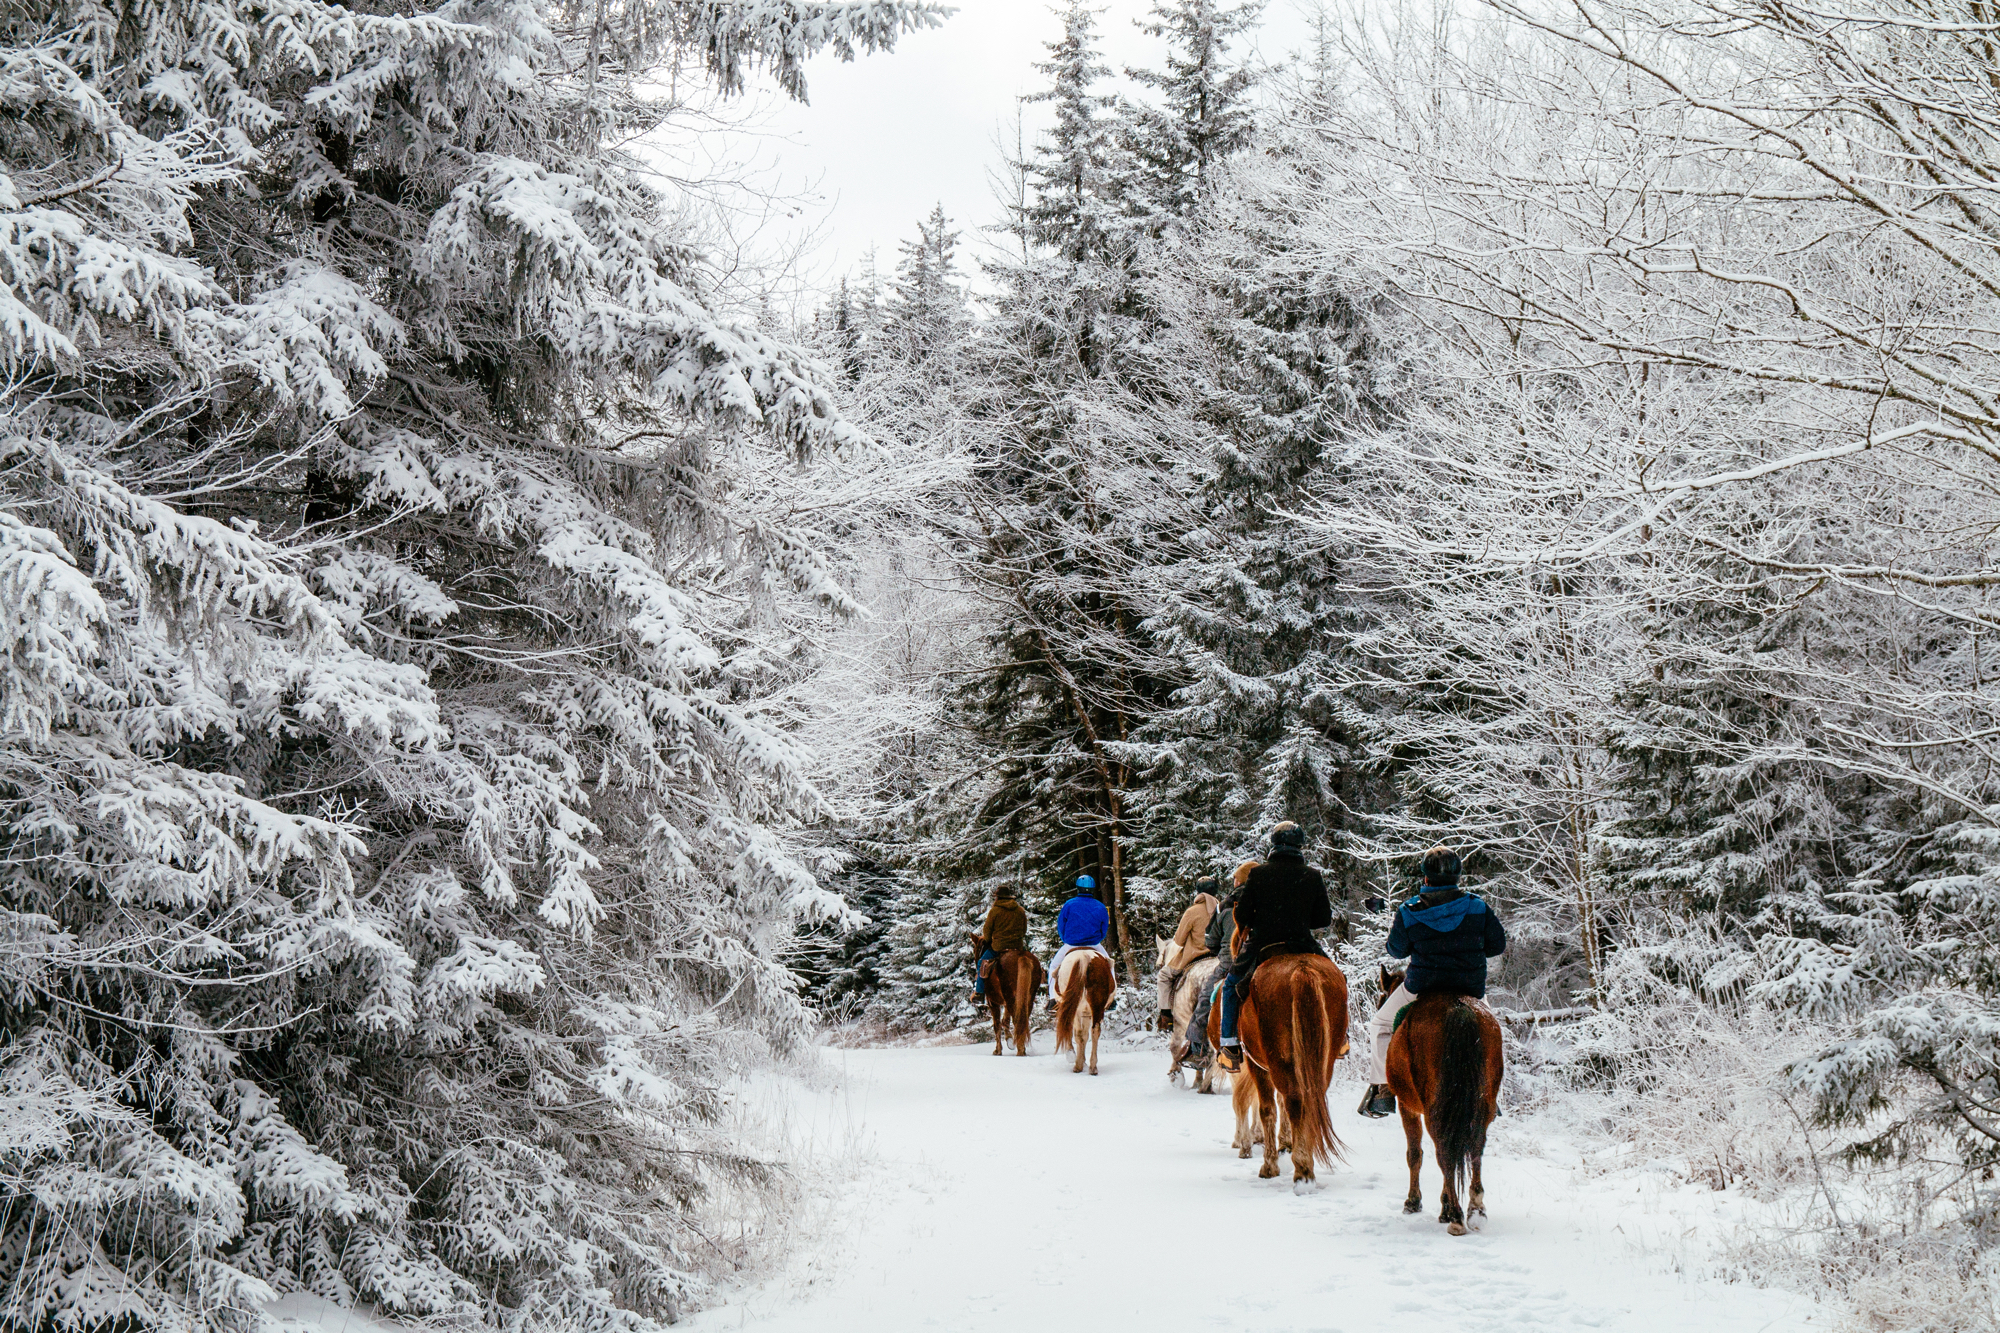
x=1010, y=993
x=1445, y=1067
x=1200, y=975
x=1249, y=1127
x=1293, y=1025
x=1085, y=988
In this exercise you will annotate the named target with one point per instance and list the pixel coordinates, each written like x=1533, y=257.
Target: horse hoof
x=1304, y=1185
x=1266, y=1171
x=1456, y=1229
x=1244, y=1152
x=1413, y=1205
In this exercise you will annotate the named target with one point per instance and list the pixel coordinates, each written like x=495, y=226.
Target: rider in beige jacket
x=1190, y=944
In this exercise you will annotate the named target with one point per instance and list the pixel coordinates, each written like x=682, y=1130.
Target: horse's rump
x=1201, y=974
x=1096, y=983
x=1298, y=1029
x=1456, y=1064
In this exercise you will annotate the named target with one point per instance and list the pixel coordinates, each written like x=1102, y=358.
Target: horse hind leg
x=1080, y=1032
x=1476, y=1202
x=1302, y=1163
x=1024, y=1007
x=1096, y=1028
x=1242, y=1102
x=1450, y=1213
x=993, y=1007
x=1413, y=1131
x=1267, y=1112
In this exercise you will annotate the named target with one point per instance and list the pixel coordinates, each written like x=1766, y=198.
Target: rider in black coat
x=1283, y=902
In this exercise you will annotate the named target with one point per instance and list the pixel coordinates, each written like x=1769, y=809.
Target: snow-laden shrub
x=1702, y=1058
x=1686, y=1067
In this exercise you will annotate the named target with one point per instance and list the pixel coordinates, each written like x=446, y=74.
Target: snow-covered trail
x=1011, y=1194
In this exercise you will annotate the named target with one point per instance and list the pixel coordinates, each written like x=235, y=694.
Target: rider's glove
x=1374, y=904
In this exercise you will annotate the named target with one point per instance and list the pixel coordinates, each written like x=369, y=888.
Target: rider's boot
x=1231, y=1059
x=1166, y=1020
x=1378, y=1101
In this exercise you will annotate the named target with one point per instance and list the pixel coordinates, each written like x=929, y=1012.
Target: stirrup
x=1231, y=1058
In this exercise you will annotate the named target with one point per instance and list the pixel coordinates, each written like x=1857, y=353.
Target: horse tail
x=1024, y=995
x=1312, y=1069
x=1457, y=1114
x=1066, y=1014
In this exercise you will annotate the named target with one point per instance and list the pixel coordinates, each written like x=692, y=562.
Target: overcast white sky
x=887, y=137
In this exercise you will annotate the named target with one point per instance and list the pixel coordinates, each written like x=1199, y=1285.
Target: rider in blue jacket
x=1081, y=924
x=1447, y=934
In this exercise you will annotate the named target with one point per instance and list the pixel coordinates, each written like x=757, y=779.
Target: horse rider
x=1283, y=902
x=1221, y=932
x=1006, y=928
x=1190, y=944
x=1080, y=924
x=1447, y=934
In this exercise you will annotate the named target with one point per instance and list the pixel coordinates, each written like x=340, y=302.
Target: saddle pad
x=1059, y=980
x=1470, y=1001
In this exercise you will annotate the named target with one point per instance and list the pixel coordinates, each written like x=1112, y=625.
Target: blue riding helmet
x=1085, y=882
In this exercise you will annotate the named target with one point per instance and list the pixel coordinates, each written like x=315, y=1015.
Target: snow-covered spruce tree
x=397, y=849
x=1074, y=493
x=1203, y=117
x=877, y=730
x=1286, y=357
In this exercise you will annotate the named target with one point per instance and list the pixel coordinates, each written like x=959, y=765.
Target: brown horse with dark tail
x=1445, y=1067
x=1015, y=976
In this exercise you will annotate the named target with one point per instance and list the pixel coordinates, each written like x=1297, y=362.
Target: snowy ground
x=985, y=1193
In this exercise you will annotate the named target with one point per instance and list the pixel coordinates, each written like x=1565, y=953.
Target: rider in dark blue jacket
x=1447, y=934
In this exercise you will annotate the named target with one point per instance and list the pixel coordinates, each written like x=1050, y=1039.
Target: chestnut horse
x=1085, y=987
x=1445, y=1067
x=1293, y=1025
x=1010, y=993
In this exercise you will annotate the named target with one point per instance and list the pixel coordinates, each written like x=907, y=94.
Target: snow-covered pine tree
x=399, y=848
x=1285, y=358
x=1079, y=495
x=1203, y=117
x=877, y=721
